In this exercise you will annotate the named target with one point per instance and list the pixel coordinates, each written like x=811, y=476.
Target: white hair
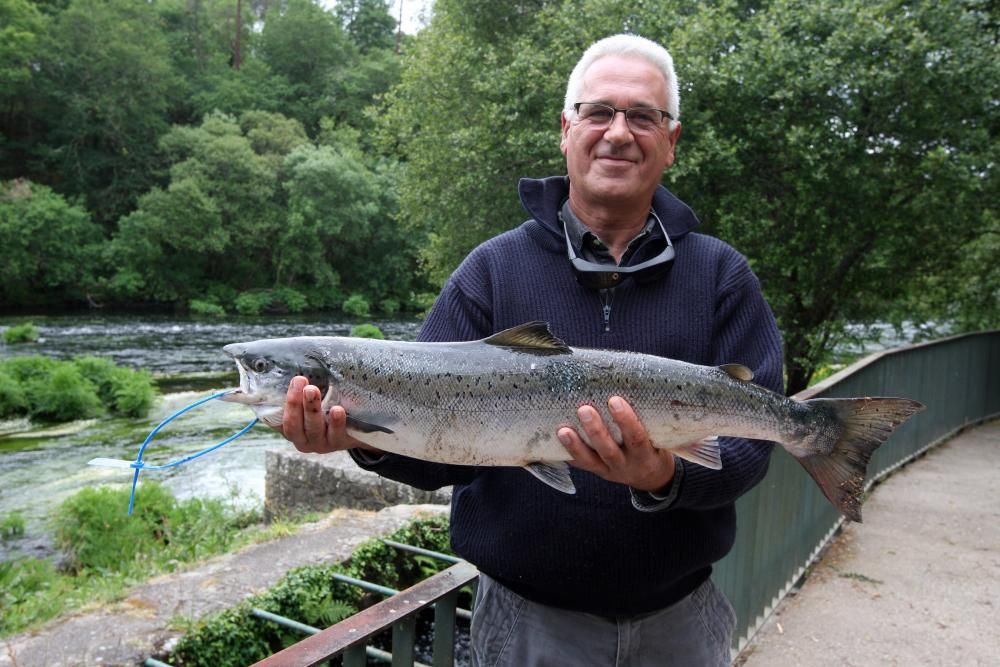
x=626, y=45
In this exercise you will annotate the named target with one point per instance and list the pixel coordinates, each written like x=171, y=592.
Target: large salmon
x=500, y=401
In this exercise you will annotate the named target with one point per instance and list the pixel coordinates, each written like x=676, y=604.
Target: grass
x=105, y=552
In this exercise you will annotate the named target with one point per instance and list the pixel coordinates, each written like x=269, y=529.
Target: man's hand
x=305, y=425
x=635, y=462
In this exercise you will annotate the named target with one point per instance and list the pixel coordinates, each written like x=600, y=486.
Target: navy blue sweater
x=595, y=551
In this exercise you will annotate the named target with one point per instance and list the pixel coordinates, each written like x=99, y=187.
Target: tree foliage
x=49, y=246
x=847, y=148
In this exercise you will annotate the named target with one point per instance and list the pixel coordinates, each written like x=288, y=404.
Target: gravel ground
x=918, y=583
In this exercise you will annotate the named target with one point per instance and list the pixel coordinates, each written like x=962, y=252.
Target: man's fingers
x=634, y=434
x=291, y=420
x=600, y=438
x=583, y=456
x=313, y=420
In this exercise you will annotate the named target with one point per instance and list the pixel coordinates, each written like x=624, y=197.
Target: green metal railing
x=785, y=521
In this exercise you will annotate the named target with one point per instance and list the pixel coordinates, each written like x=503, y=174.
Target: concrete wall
x=297, y=483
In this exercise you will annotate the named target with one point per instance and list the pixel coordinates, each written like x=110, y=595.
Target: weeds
x=106, y=551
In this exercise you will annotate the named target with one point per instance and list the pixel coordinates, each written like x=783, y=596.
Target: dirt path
x=128, y=632
x=917, y=584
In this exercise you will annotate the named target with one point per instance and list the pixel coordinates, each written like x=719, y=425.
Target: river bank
x=154, y=614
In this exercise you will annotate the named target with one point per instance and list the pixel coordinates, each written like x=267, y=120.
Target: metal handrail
x=348, y=638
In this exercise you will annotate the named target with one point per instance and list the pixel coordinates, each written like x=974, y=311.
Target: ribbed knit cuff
x=647, y=501
x=366, y=459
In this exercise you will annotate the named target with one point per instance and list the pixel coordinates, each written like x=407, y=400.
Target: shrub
x=52, y=390
x=20, y=333
x=107, y=550
x=206, y=308
x=252, y=303
x=13, y=402
x=62, y=395
x=30, y=591
x=389, y=306
x=367, y=331
x=357, y=306
x=94, y=529
x=293, y=300
x=308, y=594
x=23, y=369
x=125, y=392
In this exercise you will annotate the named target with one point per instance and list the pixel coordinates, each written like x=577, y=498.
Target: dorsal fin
x=737, y=372
x=533, y=337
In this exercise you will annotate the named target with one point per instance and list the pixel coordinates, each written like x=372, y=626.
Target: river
x=40, y=467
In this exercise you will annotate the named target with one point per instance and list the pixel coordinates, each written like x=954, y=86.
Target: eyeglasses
x=641, y=120
x=594, y=275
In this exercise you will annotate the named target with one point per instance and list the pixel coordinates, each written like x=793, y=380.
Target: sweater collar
x=543, y=198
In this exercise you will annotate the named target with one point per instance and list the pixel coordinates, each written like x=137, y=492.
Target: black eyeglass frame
x=664, y=115
x=603, y=276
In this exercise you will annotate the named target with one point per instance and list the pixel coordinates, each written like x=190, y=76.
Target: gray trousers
x=510, y=631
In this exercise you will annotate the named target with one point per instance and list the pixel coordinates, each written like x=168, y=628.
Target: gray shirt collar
x=589, y=246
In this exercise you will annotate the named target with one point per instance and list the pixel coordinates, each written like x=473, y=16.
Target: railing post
x=355, y=656
x=444, y=630
x=404, y=636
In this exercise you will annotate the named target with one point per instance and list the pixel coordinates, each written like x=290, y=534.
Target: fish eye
x=260, y=365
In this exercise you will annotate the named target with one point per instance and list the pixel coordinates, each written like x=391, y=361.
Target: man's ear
x=564, y=122
x=672, y=137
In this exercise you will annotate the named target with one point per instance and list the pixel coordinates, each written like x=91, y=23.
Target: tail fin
x=865, y=424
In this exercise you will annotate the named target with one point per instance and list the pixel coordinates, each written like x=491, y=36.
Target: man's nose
x=618, y=132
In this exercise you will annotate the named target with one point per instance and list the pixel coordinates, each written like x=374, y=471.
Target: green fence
x=785, y=521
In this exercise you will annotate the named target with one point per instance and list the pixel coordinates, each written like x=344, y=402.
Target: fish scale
x=501, y=400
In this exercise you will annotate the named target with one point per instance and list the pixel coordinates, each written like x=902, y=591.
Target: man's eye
x=595, y=112
x=644, y=117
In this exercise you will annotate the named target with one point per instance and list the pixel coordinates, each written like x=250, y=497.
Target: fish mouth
x=246, y=393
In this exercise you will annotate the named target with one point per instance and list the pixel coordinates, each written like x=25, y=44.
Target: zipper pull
x=606, y=296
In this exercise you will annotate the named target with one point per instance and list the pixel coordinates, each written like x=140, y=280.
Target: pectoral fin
x=703, y=452
x=553, y=473
x=355, y=424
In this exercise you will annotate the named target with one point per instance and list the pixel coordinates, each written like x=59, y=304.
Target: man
x=619, y=572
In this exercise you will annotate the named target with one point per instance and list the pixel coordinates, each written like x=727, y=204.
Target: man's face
x=614, y=165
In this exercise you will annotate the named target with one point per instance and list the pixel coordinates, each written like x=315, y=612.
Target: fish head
x=266, y=368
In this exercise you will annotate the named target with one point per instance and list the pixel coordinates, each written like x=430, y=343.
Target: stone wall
x=297, y=483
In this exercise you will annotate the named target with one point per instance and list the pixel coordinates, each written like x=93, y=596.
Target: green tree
x=367, y=23
x=49, y=247
x=341, y=235
x=471, y=116
x=217, y=219
x=22, y=30
x=304, y=43
x=107, y=85
x=847, y=148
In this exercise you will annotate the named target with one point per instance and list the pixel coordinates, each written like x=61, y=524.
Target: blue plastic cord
x=139, y=465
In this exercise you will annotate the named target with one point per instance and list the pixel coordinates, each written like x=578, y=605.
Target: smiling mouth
x=615, y=159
